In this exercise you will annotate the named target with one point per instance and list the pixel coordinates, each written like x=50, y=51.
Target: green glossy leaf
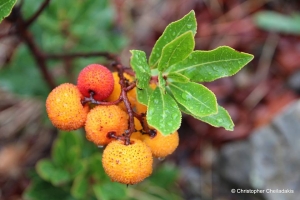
x=80, y=187
x=49, y=172
x=66, y=149
x=138, y=62
x=205, y=66
x=162, y=83
x=172, y=31
x=143, y=95
x=40, y=189
x=220, y=119
x=109, y=191
x=196, y=98
x=177, y=50
x=163, y=112
x=95, y=168
x=164, y=176
x=276, y=22
x=176, y=77
x=6, y=7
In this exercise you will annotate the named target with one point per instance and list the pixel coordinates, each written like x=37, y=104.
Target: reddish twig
x=146, y=129
x=36, y=52
x=93, y=101
x=38, y=12
x=130, y=87
x=127, y=103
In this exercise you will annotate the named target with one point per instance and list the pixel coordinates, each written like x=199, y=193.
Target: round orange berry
x=64, y=108
x=117, y=91
x=127, y=164
x=97, y=79
x=137, y=134
x=104, y=119
x=160, y=145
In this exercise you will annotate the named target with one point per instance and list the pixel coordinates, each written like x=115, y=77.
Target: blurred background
x=261, y=153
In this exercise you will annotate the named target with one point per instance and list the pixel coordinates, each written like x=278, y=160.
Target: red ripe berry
x=95, y=78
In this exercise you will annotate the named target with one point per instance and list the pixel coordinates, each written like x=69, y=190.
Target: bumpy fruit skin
x=117, y=91
x=160, y=145
x=96, y=78
x=104, y=119
x=129, y=164
x=64, y=108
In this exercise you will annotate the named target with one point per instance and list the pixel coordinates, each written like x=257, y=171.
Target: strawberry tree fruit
x=95, y=79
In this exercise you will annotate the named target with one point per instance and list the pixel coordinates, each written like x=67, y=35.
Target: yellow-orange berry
x=137, y=134
x=64, y=107
x=95, y=78
x=140, y=108
x=117, y=91
x=127, y=164
x=102, y=120
x=160, y=145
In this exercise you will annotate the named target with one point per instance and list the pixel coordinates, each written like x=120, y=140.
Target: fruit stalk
x=124, y=90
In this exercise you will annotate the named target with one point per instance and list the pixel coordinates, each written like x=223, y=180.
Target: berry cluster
x=105, y=104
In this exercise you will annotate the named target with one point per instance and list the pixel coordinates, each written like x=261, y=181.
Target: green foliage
x=6, y=7
x=206, y=66
x=144, y=94
x=172, y=31
x=64, y=26
x=176, y=51
x=276, y=22
x=13, y=77
x=178, y=69
x=139, y=64
x=196, y=98
x=163, y=112
x=75, y=172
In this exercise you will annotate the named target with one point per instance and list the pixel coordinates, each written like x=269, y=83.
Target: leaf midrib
x=177, y=35
x=207, y=63
x=192, y=96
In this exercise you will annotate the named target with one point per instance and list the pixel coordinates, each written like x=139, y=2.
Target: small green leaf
x=165, y=175
x=177, y=50
x=172, y=31
x=276, y=22
x=196, y=98
x=6, y=7
x=80, y=187
x=176, y=77
x=138, y=62
x=143, y=95
x=66, y=149
x=109, y=191
x=40, y=189
x=206, y=66
x=220, y=119
x=163, y=112
x=57, y=176
x=95, y=168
